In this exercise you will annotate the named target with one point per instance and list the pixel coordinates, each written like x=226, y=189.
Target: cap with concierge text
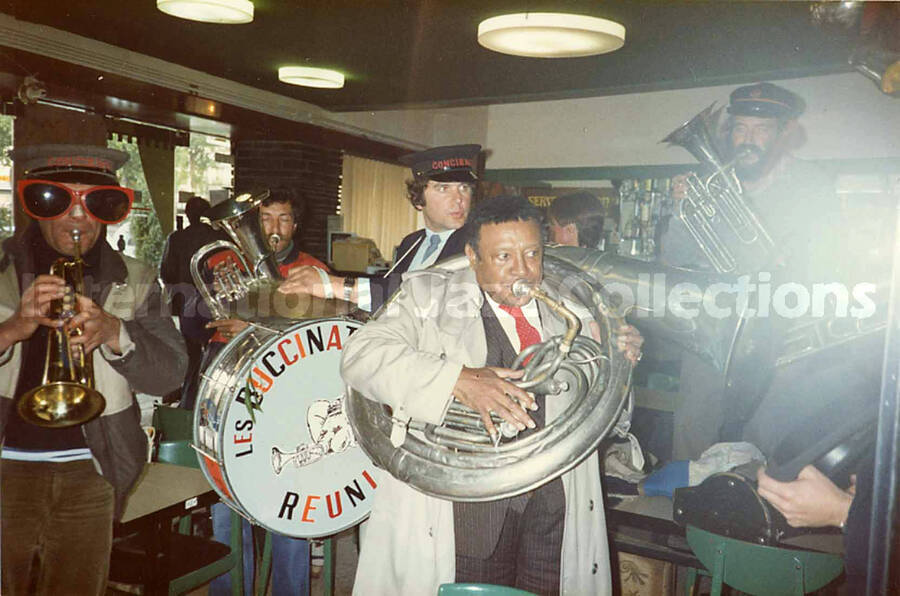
x=87, y=164
x=765, y=100
x=451, y=163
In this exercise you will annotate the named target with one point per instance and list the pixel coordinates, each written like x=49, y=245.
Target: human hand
x=679, y=188
x=97, y=327
x=812, y=500
x=487, y=390
x=308, y=280
x=628, y=340
x=228, y=327
x=34, y=308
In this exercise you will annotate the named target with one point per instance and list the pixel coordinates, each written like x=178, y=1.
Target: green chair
x=191, y=561
x=175, y=428
x=480, y=590
x=757, y=568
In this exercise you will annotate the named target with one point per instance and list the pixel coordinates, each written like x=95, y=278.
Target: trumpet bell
x=61, y=404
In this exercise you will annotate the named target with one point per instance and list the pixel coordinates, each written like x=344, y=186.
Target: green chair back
x=760, y=569
x=175, y=429
x=173, y=424
x=480, y=590
x=179, y=453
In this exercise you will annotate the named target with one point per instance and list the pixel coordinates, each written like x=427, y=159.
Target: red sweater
x=303, y=259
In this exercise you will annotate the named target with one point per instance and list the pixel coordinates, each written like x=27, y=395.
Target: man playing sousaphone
x=62, y=486
x=452, y=335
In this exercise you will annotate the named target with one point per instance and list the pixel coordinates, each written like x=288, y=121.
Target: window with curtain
x=374, y=204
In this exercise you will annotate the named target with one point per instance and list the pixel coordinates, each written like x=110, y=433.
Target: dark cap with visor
x=83, y=164
x=765, y=100
x=451, y=163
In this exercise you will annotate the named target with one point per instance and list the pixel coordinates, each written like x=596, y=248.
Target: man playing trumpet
x=63, y=486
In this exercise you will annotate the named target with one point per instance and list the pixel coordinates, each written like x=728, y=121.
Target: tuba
x=240, y=278
x=458, y=460
x=66, y=395
x=714, y=211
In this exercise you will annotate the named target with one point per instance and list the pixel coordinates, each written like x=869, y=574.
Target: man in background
x=576, y=220
x=442, y=188
x=175, y=267
x=175, y=273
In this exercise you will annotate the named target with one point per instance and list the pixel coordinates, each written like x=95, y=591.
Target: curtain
x=374, y=204
x=158, y=162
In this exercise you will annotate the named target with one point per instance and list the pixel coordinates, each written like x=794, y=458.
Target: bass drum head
x=272, y=429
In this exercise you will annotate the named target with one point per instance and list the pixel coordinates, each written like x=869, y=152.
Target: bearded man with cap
x=794, y=199
x=62, y=487
x=796, y=204
x=442, y=187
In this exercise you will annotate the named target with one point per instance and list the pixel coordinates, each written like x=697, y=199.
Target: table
x=643, y=526
x=163, y=493
x=166, y=490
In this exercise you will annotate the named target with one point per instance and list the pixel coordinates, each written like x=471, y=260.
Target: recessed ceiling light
x=550, y=35
x=230, y=12
x=308, y=76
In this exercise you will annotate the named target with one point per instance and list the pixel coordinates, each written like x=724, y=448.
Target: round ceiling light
x=229, y=12
x=550, y=35
x=307, y=76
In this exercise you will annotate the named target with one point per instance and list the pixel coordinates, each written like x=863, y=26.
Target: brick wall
x=313, y=172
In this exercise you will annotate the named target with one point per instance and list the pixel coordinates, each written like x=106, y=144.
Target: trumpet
x=66, y=395
x=303, y=455
x=458, y=459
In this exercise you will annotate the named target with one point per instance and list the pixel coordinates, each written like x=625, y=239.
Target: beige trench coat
x=410, y=359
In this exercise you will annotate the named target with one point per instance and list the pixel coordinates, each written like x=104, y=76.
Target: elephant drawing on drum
x=329, y=430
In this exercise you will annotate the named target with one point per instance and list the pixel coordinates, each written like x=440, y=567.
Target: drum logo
x=330, y=432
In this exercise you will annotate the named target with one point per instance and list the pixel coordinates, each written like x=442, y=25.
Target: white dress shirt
x=364, y=289
x=508, y=322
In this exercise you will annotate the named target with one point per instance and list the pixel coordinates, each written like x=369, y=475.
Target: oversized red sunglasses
x=45, y=199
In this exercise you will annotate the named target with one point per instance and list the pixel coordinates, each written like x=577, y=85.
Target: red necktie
x=528, y=335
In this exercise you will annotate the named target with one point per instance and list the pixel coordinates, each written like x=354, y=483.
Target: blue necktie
x=432, y=246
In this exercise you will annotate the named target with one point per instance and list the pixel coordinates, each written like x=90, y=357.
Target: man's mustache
x=746, y=150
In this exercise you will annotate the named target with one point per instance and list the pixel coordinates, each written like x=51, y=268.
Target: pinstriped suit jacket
x=478, y=525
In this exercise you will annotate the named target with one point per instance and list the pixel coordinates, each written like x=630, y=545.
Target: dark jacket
x=384, y=287
x=175, y=267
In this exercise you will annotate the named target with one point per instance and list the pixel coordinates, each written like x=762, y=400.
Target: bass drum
x=270, y=426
